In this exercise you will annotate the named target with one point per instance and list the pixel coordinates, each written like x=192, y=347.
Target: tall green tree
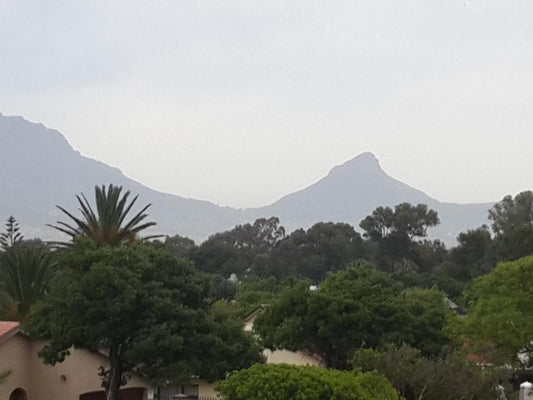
x=357, y=308
x=312, y=254
x=394, y=237
x=511, y=213
x=235, y=251
x=500, y=310
x=405, y=220
x=514, y=243
x=473, y=254
x=109, y=225
x=12, y=236
x=26, y=272
x=143, y=307
x=180, y=246
x=224, y=344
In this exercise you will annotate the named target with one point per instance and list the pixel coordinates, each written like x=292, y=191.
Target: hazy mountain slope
x=39, y=169
x=351, y=191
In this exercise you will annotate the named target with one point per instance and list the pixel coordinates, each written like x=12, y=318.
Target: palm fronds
x=25, y=275
x=107, y=225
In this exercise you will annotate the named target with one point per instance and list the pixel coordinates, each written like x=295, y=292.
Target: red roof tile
x=7, y=327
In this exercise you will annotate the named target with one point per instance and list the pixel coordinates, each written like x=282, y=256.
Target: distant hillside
x=353, y=190
x=39, y=169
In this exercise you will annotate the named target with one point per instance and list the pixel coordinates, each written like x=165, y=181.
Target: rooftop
x=7, y=327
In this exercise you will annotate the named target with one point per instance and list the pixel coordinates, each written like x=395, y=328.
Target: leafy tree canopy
x=254, y=292
x=473, y=254
x=234, y=251
x=417, y=377
x=511, y=213
x=500, y=310
x=392, y=235
x=225, y=345
x=405, y=220
x=312, y=254
x=514, y=243
x=289, y=382
x=222, y=288
x=143, y=307
x=180, y=246
x=356, y=308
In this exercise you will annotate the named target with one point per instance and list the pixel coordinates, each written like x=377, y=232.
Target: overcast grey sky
x=241, y=102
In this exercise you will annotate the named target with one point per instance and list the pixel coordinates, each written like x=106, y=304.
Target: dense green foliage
x=392, y=239
x=126, y=300
x=145, y=308
x=312, y=254
x=376, y=300
x=417, y=377
x=262, y=249
x=357, y=308
x=254, y=292
x=500, y=310
x=512, y=213
x=26, y=272
x=405, y=221
x=289, y=382
x=236, y=251
x=178, y=245
x=222, y=288
x=513, y=225
x=473, y=255
x=222, y=344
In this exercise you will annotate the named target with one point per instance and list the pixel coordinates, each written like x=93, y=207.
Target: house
x=76, y=378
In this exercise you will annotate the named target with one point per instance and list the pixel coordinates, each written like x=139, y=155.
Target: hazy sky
x=241, y=102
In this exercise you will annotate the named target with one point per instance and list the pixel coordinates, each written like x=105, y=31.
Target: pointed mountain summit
x=351, y=191
x=364, y=163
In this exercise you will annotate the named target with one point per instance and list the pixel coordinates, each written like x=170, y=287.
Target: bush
x=290, y=382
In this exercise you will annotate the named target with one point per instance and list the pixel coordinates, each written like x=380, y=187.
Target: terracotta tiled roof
x=7, y=327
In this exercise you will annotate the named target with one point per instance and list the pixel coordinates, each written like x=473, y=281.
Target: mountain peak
x=364, y=159
x=364, y=163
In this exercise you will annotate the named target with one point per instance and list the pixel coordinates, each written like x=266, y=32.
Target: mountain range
x=39, y=170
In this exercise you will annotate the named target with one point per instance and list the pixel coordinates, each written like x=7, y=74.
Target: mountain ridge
x=41, y=169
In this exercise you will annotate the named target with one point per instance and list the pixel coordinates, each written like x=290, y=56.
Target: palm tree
x=106, y=226
x=26, y=271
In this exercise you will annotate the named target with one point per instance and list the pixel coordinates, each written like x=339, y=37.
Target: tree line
x=171, y=309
